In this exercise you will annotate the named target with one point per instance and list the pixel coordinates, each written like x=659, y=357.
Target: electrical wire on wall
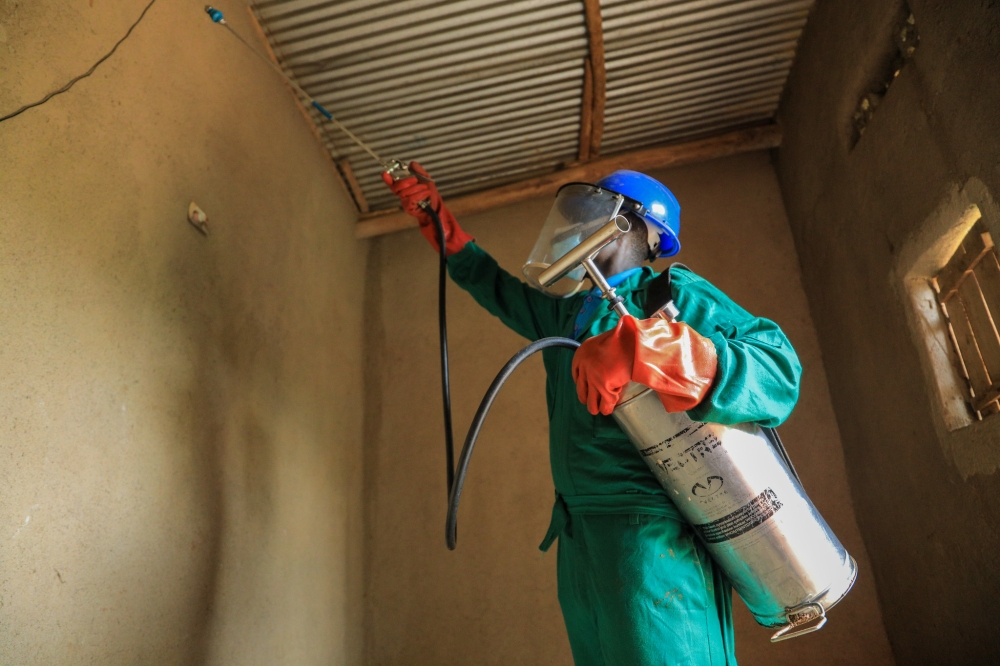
x=90, y=71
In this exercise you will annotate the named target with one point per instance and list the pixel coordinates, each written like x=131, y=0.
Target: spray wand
x=390, y=166
x=397, y=170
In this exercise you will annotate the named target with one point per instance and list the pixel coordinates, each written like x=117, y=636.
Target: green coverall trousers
x=640, y=590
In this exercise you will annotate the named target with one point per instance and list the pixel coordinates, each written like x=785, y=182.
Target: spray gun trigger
x=397, y=170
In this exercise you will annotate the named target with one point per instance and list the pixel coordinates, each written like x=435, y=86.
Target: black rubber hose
x=451, y=524
x=449, y=438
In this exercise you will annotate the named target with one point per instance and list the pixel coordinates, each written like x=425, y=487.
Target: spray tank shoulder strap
x=659, y=294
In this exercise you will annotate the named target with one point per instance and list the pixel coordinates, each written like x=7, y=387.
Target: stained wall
x=493, y=600
x=179, y=414
x=927, y=500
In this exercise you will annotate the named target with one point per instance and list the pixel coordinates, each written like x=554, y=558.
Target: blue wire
x=318, y=107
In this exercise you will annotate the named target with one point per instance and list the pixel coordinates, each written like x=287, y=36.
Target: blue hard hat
x=657, y=206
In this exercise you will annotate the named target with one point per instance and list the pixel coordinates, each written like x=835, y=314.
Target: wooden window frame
x=968, y=291
x=940, y=248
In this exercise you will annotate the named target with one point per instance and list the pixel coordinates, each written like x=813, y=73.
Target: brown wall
x=179, y=414
x=927, y=501
x=493, y=600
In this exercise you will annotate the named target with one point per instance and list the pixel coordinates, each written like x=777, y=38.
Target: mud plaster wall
x=927, y=506
x=493, y=600
x=179, y=414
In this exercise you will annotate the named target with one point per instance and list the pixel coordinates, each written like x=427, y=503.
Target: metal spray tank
x=733, y=484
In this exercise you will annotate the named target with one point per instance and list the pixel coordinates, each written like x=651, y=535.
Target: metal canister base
x=811, y=616
x=827, y=599
x=800, y=622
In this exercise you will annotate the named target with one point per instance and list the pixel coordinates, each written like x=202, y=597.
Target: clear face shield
x=578, y=211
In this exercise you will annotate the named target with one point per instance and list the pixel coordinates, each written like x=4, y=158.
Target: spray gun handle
x=398, y=171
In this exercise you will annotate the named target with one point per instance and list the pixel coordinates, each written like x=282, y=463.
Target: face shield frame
x=579, y=210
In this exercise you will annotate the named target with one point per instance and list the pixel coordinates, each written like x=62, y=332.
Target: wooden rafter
x=586, y=110
x=595, y=41
x=344, y=164
x=692, y=152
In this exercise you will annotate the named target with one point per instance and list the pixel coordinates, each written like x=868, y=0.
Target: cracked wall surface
x=179, y=414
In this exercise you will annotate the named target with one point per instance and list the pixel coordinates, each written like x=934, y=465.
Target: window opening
x=968, y=291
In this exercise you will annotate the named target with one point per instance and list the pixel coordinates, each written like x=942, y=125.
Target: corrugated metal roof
x=485, y=92
x=679, y=69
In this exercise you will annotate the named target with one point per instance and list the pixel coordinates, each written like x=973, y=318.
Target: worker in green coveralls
x=636, y=587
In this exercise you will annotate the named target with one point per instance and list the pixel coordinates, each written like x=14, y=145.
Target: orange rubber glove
x=669, y=357
x=414, y=189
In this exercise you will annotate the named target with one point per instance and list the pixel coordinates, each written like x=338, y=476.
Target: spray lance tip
x=215, y=14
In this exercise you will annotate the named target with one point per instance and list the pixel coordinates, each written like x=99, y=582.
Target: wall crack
x=72, y=82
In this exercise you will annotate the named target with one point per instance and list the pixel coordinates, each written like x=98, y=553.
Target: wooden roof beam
x=599, y=82
x=586, y=111
x=692, y=152
x=344, y=164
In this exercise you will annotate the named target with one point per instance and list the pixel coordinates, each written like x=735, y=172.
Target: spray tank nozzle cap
x=215, y=14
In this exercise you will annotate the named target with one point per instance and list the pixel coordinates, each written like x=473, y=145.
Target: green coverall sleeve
x=758, y=373
x=525, y=310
